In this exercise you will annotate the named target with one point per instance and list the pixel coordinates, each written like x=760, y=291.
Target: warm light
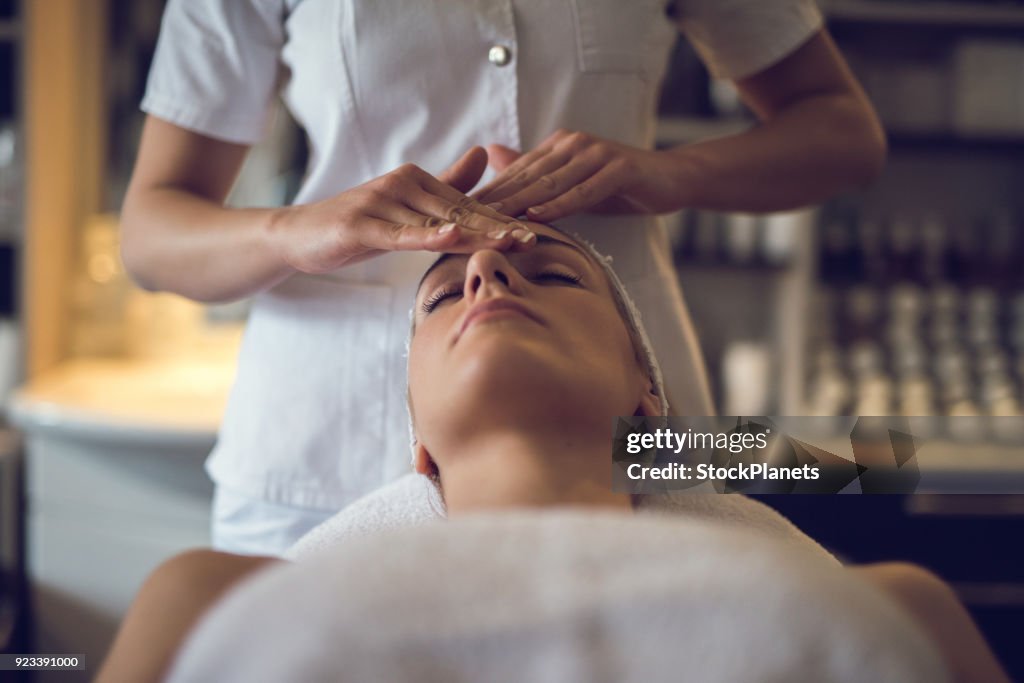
x=102, y=268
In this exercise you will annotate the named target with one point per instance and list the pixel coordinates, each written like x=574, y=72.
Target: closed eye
x=432, y=302
x=450, y=291
x=571, y=279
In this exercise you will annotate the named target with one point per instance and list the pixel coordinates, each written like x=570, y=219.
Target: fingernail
x=447, y=227
x=495, y=205
x=523, y=236
x=497, y=234
x=536, y=210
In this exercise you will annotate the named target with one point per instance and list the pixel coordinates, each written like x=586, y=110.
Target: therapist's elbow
x=862, y=145
x=134, y=254
x=869, y=157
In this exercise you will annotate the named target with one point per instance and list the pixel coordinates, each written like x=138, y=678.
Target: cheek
x=617, y=356
x=601, y=331
x=426, y=360
x=420, y=364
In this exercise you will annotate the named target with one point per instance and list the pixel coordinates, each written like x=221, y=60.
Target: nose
x=489, y=273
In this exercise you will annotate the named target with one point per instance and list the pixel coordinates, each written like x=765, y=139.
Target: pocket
x=615, y=36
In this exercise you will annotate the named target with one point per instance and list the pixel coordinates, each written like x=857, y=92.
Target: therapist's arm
x=817, y=135
x=168, y=605
x=177, y=235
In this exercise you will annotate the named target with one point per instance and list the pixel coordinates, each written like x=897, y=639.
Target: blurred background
x=904, y=298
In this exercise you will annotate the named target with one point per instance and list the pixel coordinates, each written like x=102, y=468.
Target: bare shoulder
x=207, y=568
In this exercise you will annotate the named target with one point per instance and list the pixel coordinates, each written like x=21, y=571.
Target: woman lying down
x=532, y=569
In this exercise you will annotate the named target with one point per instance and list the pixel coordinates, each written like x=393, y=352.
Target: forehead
x=547, y=238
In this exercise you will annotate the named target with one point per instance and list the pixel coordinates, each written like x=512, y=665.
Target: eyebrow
x=541, y=239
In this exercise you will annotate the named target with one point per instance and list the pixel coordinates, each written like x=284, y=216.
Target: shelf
x=675, y=130
x=690, y=264
x=948, y=466
x=952, y=14
x=997, y=142
x=9, y=29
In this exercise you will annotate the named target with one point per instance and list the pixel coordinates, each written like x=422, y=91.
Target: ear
x=423, y=463
x=649, y=404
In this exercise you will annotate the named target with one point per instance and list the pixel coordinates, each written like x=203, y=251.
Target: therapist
x=397, y=97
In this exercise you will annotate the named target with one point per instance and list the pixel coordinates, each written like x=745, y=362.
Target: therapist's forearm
x=804, y=154
x=175, y=241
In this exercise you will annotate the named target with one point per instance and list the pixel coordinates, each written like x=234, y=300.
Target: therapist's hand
x=573, y=172
x=406, y=209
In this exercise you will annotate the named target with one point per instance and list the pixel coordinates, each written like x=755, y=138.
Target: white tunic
x=317, y=414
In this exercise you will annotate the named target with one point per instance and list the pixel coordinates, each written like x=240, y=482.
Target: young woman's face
x=518, y=339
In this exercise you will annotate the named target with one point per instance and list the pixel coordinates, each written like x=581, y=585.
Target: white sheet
x=561, y=596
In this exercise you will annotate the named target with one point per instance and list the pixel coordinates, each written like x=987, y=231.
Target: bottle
x=999, y=246
x=933, y=250
x=863, y=314
x=781, y=234
x=746, y=378
x=707, y=237
x=837, y=254
x=871, y=254
x=901, y=252
x=741, y=238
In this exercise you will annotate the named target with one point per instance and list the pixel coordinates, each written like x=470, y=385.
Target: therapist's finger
x=467, y=237
x=380, y=234
x=432, y=185
x=537, y=183
x=525, y=178
x=466, y=172
x=464, y=211
x=500, y=157
x=470, y=233
x=553, y=181
x=384, y=235
x=517, y=174
x=403, y=214
x=411, y=185
x=513, y=175
x=610, y=180
x=513, y=236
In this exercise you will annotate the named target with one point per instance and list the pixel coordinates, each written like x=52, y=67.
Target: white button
x=499, y=55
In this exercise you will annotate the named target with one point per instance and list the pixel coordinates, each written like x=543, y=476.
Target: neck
x=514, y=469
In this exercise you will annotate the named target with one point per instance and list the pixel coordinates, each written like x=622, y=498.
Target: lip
x=492, y=306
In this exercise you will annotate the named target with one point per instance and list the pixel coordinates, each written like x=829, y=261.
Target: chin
x=525, y=383
x=509, y=368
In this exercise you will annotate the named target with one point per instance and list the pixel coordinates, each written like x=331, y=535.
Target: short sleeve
x=737, y=38
x=217, y=67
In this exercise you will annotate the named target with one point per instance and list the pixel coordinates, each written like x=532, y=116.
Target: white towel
x=560, y=596
x=413, y=499
x=407, y=501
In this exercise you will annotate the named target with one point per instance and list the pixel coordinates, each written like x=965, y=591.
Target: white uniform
x=317, y=414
